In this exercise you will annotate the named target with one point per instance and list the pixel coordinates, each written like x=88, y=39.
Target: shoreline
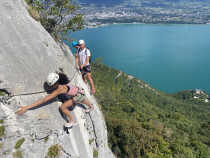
x=138, y=23
x=154, y=25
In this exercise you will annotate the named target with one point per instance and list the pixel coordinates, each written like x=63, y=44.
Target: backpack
x=90, y=60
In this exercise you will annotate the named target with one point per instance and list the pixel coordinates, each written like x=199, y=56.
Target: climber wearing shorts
x=65, y=91
x=82, y=62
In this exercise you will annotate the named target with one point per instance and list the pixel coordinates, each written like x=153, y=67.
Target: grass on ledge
x=2, y=131
x=34, y=13
x=54, y=151
x=19, y=143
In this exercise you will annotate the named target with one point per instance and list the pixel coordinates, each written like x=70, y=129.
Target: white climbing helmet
x=81, y=42
x=52, y=78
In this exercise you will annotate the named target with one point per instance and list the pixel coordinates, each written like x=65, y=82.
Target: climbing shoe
x=70, y=124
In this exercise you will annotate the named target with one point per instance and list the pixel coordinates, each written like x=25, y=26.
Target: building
x=198, y=91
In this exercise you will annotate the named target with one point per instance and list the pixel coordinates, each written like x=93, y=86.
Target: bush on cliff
x=57, y=16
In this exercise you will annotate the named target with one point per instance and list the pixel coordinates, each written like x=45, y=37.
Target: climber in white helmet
x=83, y=59
x=66, y=92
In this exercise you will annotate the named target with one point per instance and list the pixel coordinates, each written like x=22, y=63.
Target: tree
x=58, y=16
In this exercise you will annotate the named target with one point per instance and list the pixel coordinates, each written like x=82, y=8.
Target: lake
x=170, y=58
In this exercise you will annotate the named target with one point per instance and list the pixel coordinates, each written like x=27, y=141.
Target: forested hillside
x=146, y=123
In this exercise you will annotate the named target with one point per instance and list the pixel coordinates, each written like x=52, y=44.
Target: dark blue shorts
x=85, y=70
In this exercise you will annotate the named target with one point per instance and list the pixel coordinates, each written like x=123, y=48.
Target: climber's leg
x=64, y=108
x=91, y=83
x=84, y=78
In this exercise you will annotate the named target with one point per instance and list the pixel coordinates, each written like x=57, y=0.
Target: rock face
x=27, y=54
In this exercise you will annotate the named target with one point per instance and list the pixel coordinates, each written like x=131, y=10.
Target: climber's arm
x=76, y=60
x=54, y=94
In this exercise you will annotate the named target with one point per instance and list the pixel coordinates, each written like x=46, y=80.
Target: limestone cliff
x=27, y=54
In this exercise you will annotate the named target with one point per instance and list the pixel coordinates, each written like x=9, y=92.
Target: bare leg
x=84, y=78
x=64, y=108
x=91, y=83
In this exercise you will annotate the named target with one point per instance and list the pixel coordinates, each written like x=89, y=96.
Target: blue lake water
x=170, y=58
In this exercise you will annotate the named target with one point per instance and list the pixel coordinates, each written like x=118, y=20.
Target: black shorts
x=85, y=70
x=63, y=98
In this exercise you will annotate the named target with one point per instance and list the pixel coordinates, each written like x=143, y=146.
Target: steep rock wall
x=27, y=54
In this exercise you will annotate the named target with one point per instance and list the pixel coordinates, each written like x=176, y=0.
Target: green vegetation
x=91, y=141
x=2, y=93
x=33, y=11
x=46, y=139
x=53, y=151
x=1, y=145
x=2, y=131
x=17, y=154
x=19, y=143
x=146, y=123
x=95, y=153
x=1, y=121
x=57, y=16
